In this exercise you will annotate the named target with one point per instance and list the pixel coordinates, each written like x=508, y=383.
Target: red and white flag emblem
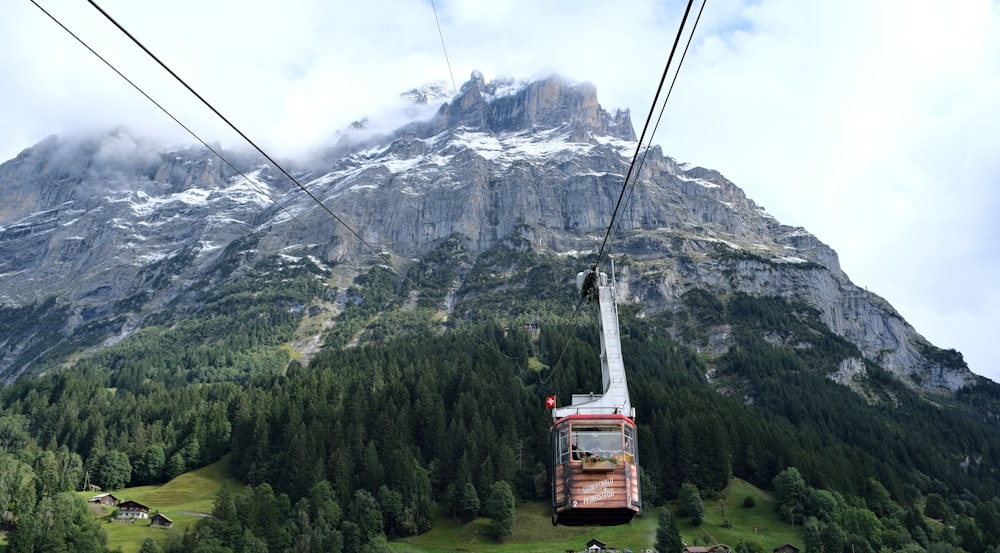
x=550, y=402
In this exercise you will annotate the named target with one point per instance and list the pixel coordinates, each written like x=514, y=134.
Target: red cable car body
x=595, y=476
x=595, y=467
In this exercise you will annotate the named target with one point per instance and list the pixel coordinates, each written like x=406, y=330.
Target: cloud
x=873, y=125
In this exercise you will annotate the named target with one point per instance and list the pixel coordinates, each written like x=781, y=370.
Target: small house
x=132, y=510
x=104, y=499
x=787, y=548
x=160, y=521
x=595, y=546
x=718, y=548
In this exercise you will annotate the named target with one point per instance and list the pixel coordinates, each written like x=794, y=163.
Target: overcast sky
x=873, y=124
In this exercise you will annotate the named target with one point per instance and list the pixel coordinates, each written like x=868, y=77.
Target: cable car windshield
x=603, y=441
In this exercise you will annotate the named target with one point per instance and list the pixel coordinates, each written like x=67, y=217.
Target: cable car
x=595, y=467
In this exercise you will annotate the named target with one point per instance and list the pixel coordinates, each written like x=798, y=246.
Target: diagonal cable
x=645, y=127
x=176, y=120
x=663, y=108
x=443, y=47
x=242, y=135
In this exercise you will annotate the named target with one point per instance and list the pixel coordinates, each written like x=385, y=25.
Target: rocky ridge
x=95, y=222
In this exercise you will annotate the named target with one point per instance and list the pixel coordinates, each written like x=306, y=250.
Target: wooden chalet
x=719, y=548
x=787, y=548
x=160, y=521
x=132, y=510
x=104, y=499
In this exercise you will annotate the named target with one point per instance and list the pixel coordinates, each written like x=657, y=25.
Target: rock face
x=96, y=222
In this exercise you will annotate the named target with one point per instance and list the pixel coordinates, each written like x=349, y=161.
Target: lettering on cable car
x=606, y=491
x=598, y=485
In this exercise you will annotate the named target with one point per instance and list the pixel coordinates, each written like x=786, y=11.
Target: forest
x=365, y=444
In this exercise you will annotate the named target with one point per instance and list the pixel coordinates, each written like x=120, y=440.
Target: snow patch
x=702, y=182
x=720, y=241
x=206, y=246
x=508, y=87
x=575, y=253
x=318, y=262
x=148, y=258
x=624, y=147
x=792, y=259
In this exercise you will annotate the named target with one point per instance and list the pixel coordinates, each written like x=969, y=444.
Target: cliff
x=113, y=229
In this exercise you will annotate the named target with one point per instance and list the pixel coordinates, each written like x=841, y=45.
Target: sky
x=873, y=125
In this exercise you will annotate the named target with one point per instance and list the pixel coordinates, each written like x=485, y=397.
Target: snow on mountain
x=539, y=162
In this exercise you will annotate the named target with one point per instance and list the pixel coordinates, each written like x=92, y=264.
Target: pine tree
x=469, y=506
x=790, y=495
x=668, y=535
x=500, y=508
x=690, y=504
x=149, y=545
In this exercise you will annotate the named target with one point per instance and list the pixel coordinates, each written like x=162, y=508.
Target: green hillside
x=189, y=497
x=185, y=500
x=407, y=430
x=533, y=531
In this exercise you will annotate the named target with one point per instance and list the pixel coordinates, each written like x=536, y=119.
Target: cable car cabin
x=595, y=472
x=595, y=477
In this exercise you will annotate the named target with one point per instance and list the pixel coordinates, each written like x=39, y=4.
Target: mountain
x=98, y=235
x=380, y=348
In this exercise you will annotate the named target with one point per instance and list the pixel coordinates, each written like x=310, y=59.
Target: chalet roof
x=132, y=505
x=162, y=517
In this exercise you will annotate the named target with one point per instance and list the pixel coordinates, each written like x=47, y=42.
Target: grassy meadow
x=184, y=500
x=190, y=496
x=534, y=533
x=759, y=523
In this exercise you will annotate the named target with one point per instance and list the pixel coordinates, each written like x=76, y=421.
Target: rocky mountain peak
x=509, y=105
x=429, y=93
x=112, y=221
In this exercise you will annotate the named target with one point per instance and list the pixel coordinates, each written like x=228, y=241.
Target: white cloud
x=873, y=125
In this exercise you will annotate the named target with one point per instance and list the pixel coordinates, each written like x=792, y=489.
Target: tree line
x=417, y=419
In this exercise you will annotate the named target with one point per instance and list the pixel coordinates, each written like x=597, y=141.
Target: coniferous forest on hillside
x=397, y=418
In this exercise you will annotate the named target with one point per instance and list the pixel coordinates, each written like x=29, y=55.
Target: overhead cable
x=659, y=118
x=260, y=150
x=178, y=121
x=249, y=141
x=633, y=167
x=652, y=109
x=443, y=47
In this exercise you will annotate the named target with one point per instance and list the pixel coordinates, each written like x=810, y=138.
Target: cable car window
x=629, y=444
x=603, y=441
x=562, y=455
